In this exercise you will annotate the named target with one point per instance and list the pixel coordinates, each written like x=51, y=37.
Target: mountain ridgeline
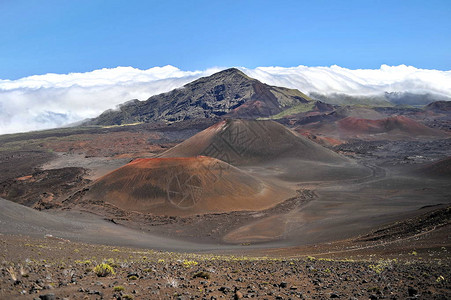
x=228, y=93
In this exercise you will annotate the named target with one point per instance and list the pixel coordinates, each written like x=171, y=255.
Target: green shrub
x=119, y=288
x=373, y=289
x=104, y=270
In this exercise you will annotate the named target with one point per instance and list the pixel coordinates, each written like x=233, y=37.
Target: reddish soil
x=441, y=168
x=322, y=140
x=111, y=144
x=398, y=124
x=390, y=128
x=184, y=186
x=246, y=142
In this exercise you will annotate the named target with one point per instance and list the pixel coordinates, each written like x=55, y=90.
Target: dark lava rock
x=132, y=275
x=95, y=293
x=412, y=291
x=47, y=297
x=224, y=289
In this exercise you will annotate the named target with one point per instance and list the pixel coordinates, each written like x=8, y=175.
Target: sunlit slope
x=184, y=186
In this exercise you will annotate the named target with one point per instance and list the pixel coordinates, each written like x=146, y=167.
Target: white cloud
x=52, y=100
x=335, y=79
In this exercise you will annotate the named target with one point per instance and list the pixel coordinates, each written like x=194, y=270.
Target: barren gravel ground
x=58, y=269
x=325, y=243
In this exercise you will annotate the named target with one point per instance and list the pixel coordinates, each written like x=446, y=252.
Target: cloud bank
x=53, y=100
x=335, y=79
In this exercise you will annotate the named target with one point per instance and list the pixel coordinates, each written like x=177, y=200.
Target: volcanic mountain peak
x=230, y=73
x=246, y=142
x=229, y=92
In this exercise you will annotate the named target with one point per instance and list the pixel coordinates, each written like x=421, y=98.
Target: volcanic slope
x=439, y=106
x=390, y=128
x=226, y=92
x=438, y=169
x=270, y=146
x=334, y=113
x=184, y=186
x=394, y=125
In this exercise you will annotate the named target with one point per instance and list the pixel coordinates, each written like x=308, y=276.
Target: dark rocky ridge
x=229, y=92
x=439, y=106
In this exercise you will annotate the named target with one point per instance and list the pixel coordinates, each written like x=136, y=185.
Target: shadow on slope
x=438, y=169
x=16, y=219
x=269, y=149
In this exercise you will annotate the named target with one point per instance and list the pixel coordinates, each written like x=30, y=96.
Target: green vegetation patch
x=299, y=108
x=104, y=270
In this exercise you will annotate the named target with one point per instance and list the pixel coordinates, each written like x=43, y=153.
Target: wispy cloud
x=52, y=100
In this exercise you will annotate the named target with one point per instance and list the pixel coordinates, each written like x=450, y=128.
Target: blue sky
x=55, y=36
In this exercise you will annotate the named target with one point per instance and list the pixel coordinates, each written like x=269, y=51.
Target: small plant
x=172, y=282
x=381, y=266
x=325, y=259
x=127, y=297
x=23, y=272
x=12, y=273
x=111, y=262
x=373, y=289
x=119, y=288
x=189, y=263
x=104, y=270
x=133, y=277
x=414, y=253
x=440, y=279
x=202, y=274
x=83, y=262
